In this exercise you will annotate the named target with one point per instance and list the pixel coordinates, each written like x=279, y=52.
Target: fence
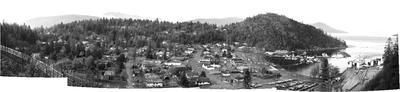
x=50, y=71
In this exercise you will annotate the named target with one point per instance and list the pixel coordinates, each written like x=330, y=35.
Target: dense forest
x=20, y=36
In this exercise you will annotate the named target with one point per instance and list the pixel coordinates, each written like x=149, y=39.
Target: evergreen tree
x=247, y=79
x=203, y=74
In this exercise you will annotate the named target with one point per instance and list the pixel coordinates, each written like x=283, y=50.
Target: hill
x=52, y=20
x=272, y=31
x=123, y=15
x=326, y=28
x=219, y=21
x=269, y=31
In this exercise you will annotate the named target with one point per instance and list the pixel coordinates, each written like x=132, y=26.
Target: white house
x=172, y=63
x=201, y=81
x=207, y=67
x=188, y=51
x=358, y=63
x=204, y=60
x=153, y=80
x=215, y=65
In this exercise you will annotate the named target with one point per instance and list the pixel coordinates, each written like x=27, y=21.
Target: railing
x=50, y=71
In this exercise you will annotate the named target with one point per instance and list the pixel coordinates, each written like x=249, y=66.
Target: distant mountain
x=363, y=38
x=219, y=21
x=123, y=15
x=52, y=20
x=327, y=28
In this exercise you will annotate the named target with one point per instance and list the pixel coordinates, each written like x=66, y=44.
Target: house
x=269, y=53
x=215, y=65
x=208, y=56
x=207, y=67
x=178, y=58
x=150, y=65
x=153, y=80
x=237, y=61
x=225, y=74
x=192, y=49
x=191, y=75
x=206, y=52
x=202, y=81
x=204, y=60
x=224, y=50
x=109, y=75
x=36, y=55
x=188, y=51
x=85, y=42
x=159, y=53
x=280, y=53
x=236, y=43
x=172, y=63
x=241, y=68
x=143, y=49
x=155, y=62
x=358, y=63
x=219, y=45
x=377, y=62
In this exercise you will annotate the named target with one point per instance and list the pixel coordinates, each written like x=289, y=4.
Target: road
x=217, y=82
x=129, y=71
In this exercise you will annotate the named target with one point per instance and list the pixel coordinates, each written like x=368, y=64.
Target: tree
x=247, y=79
x=165, y=55
x=183, y=80
x=325, y=69
x=203, y=74
x=89, y=61
x=388, y=78
x=131, y=53
x=315, y=71
x=265, y=71
x=333, y=71
x=121, y=60
x=149, y=54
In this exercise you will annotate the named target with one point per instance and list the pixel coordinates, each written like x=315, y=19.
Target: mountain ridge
x=53, y=20
x=327, y=28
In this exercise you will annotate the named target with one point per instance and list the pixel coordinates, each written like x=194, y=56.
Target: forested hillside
x=134, y=30
x=20, y=36
x=272, y=31
x=269, y=31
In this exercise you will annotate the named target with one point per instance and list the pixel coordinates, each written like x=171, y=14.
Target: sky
x=372, y=17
